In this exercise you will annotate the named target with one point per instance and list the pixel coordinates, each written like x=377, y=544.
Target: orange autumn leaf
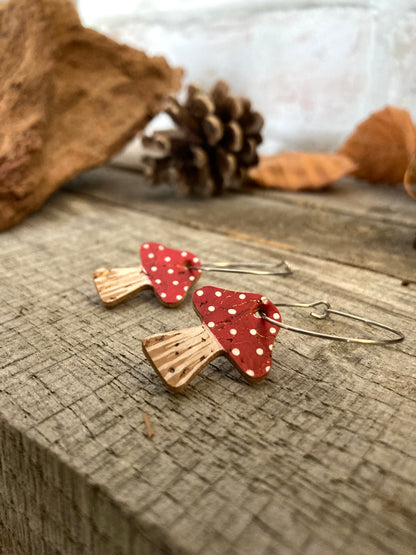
x=296, y=171
x=382, y=146
x=410, y=177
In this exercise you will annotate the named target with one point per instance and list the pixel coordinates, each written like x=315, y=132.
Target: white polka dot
x=263, y=299
x=158, y=281
x=271, y=347
x=250, y=373
x=186, y=288
x=242, y=296
x=192, y=278
x=184, y=253
x=163, y=295
x=176, y=282
x=195, y=259
x=199, y=292
x=211, y=308
x=211, y=324
x=179, y=297
x=167, y=259
x=170, y=271
x=161, y=247
x=276, y=316
x=253, y=332
x=267, y=368
x=218, y=293
x=146, y=246
x=233, y=331
x=232, y=311
x=272, y=330
x=259, y=351
x=151, y=255
x=153, y=268
x=236, y=352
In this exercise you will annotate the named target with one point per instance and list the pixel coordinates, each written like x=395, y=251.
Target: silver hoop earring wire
x=281, y=268
x=327, y=310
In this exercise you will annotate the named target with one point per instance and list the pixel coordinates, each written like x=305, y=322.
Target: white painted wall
x=313, y=68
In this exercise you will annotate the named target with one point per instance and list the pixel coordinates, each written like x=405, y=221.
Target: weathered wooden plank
x=345, y=224
x=318, y=458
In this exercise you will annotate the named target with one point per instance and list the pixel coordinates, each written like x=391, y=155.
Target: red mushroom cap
x=169, y=271
x=247, y=339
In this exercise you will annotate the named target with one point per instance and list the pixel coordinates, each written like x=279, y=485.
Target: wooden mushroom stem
x=178, y=356
x=119, y=284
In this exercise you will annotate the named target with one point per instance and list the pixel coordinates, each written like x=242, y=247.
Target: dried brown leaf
x=410, y=178
x=296, y=171
x=382, y=146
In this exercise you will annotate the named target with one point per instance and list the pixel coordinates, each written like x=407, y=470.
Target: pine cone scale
x=214, y=144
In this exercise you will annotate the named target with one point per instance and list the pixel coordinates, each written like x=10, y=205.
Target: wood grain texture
x=352, y=223
x=319, y=458
x=119, y=284
x=178, y=356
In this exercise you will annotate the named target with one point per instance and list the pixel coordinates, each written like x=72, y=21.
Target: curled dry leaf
x=382, y=146
x=410, y=178
x=296, y=171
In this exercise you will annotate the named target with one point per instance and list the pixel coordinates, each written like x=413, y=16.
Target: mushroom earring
x=240, y=326
x=230, y=327
x=170, y=273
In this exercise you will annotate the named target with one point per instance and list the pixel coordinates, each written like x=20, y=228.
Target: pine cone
x=213, y=146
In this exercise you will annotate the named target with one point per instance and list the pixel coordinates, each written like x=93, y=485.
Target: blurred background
x=313, y=68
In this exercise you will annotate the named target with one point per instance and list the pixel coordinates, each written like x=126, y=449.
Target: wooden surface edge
x=47, y=508
x=320, y=459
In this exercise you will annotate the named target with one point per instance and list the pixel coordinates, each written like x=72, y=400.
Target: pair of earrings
x=170, y=273
x=241, y=326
